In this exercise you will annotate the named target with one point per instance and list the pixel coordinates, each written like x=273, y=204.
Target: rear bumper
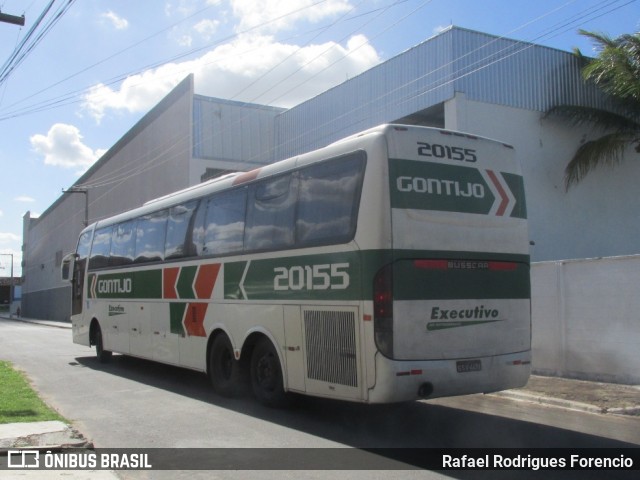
x=400, y=381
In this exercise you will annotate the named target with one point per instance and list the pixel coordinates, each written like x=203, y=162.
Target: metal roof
x=486, y=68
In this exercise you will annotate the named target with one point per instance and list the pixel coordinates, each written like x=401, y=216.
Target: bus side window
x=123, y=244
x=271, y=214
x=82, y=253
x=150, y=237
x=179, y=242
x=224, y=223
x=100, y=249
x=84, y=246
x=328, y=201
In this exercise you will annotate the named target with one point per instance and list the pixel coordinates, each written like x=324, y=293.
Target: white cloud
x=274, y=15
x=206, y=28
x=184, y=8
x=287, y=74
x=9, y=237
x=118, y=22
x=62, y=147
x=440, y=28
x=25, y=199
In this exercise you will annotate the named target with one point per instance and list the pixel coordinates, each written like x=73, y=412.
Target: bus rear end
x=452, y=307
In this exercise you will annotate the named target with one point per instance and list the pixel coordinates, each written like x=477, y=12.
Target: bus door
x=79, y=269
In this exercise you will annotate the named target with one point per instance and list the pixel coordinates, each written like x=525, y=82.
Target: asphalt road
x=136, y=403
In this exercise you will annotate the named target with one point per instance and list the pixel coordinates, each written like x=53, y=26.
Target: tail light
x=383, y=310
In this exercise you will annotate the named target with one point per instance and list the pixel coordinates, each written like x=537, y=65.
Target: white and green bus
x=392, y=265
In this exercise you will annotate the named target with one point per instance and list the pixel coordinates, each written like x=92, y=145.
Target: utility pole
x=13, y=19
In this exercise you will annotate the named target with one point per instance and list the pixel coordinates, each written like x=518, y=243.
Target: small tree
x=616, y=70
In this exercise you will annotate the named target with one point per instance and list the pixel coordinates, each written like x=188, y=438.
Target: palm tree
x=616, y=70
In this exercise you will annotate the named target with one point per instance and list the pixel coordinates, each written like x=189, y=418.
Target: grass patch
x=18, y=401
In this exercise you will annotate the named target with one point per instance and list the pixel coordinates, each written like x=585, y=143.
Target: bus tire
x=266, y=376
x=104, y=356
x=225, y=371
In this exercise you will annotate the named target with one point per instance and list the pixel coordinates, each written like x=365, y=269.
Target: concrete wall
x=152, y=159
x=596, y=218
x=586, y=318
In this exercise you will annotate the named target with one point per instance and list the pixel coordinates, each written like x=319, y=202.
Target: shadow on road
x=408, y=425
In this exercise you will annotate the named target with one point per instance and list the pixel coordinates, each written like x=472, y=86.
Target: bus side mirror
x=67, y=267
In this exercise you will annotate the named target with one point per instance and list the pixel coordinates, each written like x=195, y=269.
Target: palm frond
x=602, y=40
x=616, y=69
x=606, y=150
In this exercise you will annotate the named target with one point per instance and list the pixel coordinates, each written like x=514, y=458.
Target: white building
x=460, y=79
x=182, y=141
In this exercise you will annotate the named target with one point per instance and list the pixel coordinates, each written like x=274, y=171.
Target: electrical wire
x=469, y=69
x=64, y=99
x=557, y=29
x=33, y=37
x=488, y=60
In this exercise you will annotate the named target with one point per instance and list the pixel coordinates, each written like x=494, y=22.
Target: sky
x=90, y=69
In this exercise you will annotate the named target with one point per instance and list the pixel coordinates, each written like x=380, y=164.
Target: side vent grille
x=331, y=347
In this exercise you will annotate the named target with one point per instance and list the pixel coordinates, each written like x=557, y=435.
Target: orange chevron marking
x=194, y=319
x=206, y=280
x=169, y=279
x=503, y=195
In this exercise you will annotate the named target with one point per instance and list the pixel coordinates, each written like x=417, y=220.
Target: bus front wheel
x=103, y=355
x=266, y=376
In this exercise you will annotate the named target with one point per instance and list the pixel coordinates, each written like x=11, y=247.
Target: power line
x=507, y=52
x=469, y=69
x=33, y=37
x=52, y=103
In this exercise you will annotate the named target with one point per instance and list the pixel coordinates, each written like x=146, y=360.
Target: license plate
x=463, y=366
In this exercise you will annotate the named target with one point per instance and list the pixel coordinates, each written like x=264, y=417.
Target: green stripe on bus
x=145, y=284
x=516, y=185
x=339, y=276
x=334, y=276
x=435, y=186
x=184, y=287
x=433, y=326
x=420, y=185
x=411, y=283
x=176, y=314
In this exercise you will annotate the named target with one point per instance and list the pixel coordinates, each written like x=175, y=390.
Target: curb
x=46, y=435
x=47, y=323
x=557, y=402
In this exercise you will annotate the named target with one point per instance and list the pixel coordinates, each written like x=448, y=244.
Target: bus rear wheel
x=104, y=356
x=266, y=376
x=226, y=373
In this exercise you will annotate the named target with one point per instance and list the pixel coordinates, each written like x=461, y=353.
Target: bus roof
x=239, y=178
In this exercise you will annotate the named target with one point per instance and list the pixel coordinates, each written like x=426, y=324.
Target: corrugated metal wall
x=517, y=74
x=232, y=131
x=403, y=85
x=486, y=68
